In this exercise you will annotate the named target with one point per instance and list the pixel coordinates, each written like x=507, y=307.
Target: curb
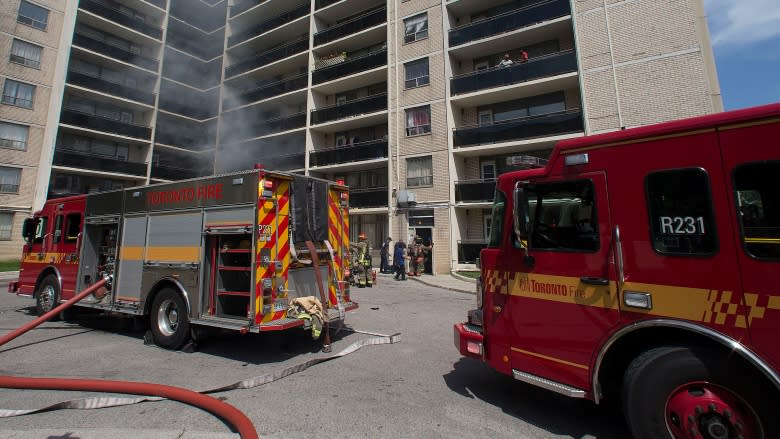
x=9, y=275
x=463, y=278
x=432, y=284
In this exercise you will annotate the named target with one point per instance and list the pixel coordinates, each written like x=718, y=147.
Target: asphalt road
x=419, y=388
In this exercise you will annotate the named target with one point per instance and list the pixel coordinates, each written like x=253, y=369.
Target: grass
x=470, y=274
x=9, y=265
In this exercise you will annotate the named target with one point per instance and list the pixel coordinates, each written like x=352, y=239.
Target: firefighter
x=418, y=252
x=362, y=261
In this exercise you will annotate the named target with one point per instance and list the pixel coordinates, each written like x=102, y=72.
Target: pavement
x=447, y=281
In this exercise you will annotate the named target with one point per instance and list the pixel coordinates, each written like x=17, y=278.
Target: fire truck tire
x=693, y=392
x=169, y=321
x=47, y=296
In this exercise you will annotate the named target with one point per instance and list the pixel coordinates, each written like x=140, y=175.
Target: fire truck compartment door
x=302, y=281
x=130, y=264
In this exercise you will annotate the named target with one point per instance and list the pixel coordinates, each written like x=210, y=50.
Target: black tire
x=47, y=296
x=169, y=321
x=667, y=391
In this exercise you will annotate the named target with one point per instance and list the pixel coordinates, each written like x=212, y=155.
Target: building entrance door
x=426, y=233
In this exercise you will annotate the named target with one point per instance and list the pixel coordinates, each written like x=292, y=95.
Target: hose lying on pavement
x=231, y=415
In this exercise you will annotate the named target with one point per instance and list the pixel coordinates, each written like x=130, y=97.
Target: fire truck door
x=565, y=301
x=752, y=179
x=65, y=239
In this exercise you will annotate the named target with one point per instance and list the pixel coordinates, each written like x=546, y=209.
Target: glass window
x=32, y=15
x=758, y=208
x=497, y=219
x=26, y=53
x=6, y=225
x=18, y=94
x=13, y=136
x=58, y=222
x=563, y=216
x=680, y=208
x=416, y=28
x=418, y=121
x=72, y=227
x=419, y=171
x=40, y=230
x=9, y=179
x=417, y=73
x=421, y=217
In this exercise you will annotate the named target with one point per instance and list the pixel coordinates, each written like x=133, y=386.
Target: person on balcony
x=523, y=57
x=506, y=61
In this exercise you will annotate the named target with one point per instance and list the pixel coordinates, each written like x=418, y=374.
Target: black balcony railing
x=369, y=150
x=99, y=84
x=114, y=52
x=269, y=24
x=319, y=4
x=244, y=5
x=352, y=108
x=284, y=162
x=536, y=68
x=521, y=128
x=174, y=173
x=192, y=111
x=159, y=3
x=354, y=25
x=98, y=123
x=278, y=125
x=188, y=141
x=365, y=198
x=268, y=91
x=64, y=156
x=116, y=16
x=268, y=56
x=468, y=253
x=522, y=17
x=475, y=191
x=350, y=66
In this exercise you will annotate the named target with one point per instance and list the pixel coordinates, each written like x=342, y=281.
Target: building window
x=9, y=179
x=13, y=136
x=416, y=28
x=417, y=73
x=33, y=15
x=18, y=94
x=419, y=171
x=97, y=147
x=418, y=120
x=6, y=224
x=680, y=208
x=421, y=217
x=26, y=54
x=758, y=208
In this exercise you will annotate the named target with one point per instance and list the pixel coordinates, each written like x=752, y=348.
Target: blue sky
x=746, y=40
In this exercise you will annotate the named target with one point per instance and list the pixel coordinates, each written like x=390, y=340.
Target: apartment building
x=406, y=101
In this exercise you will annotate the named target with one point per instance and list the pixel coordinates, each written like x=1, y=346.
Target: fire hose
x=231, y=415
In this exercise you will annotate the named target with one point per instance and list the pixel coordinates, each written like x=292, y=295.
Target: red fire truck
x=640, y=267
x=229, y=251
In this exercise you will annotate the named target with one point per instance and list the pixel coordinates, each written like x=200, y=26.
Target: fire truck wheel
x=47, y=296
x=683, y=392
x=169, y=321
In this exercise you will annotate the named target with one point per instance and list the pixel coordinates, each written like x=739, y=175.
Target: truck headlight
x=479, y=292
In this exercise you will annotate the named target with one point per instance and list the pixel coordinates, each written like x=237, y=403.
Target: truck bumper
x=469, y=340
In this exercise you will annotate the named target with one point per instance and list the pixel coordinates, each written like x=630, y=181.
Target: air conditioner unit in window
x=407, y=199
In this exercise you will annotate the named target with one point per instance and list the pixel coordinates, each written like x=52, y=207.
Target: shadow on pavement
x=547, y=410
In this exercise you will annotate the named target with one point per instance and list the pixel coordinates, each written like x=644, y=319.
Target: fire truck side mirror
x=28, y=229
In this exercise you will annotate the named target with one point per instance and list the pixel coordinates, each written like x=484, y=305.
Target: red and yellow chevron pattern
x=338, y=236
x=273, y=244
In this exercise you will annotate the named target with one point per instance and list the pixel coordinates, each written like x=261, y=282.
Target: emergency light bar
x=526, y=161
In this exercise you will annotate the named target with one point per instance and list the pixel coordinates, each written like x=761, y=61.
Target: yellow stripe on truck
x=173, y=254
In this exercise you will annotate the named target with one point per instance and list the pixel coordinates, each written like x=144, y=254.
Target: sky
x=745, y=37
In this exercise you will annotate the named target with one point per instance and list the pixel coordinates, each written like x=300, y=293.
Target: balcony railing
x=64, y=156
x=191, y=111
x=350, y=66
x=468, y=252
x=118, y=17
x=159, y=3
x=190, y=141
x=370, y=150
x=365, y=198
x=174, y=173
x=279, y=124
x=98, y=123
x=509, y=21
x=349, y=27
x=352, y=108
x=112, y=88
x=536, y=68
x=268, y=91
x=114, y=52
x=268, y=56
x=475, y=191
x=284, y=162
x=521, y=128
x=273, y=23
x=319, y=4
x=244, y=5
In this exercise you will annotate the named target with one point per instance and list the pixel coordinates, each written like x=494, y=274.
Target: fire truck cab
x=640, y=267
x=232, y=251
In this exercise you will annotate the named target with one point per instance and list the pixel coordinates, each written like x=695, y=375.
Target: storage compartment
x=231, y=268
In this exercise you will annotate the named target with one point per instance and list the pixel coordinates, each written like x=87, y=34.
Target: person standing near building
x=362, y=262
x=398, y=260
x=384, y=253
x=417, y=253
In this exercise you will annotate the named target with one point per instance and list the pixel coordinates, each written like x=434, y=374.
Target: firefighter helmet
x=362, y=236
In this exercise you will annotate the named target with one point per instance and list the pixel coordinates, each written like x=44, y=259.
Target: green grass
x=471, y=274
x=9, y=265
